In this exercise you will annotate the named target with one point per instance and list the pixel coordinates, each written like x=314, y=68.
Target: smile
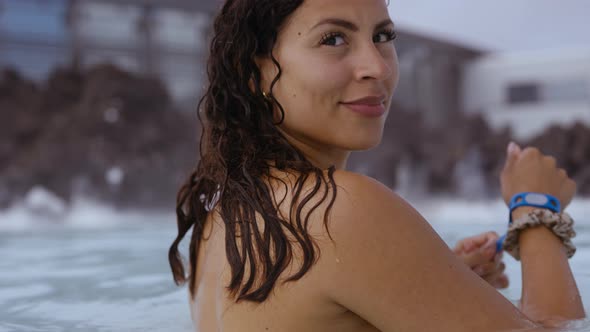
x=367, y=110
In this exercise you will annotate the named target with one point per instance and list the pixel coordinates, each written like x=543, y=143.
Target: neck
x=325, y=159
x=320, y=156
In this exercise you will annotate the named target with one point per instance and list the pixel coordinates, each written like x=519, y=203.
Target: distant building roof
x=440, y=43
x=498, y=26
x=201, y=5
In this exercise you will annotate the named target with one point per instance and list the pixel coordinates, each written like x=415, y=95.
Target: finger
x=498, y=258
x=532, y=152
x=494, y=270
x=480, y=257
x=472, y=243
x=572, y=186
x=476, y=242
x=551, y=161
x=489, y=269
x=501, y=282
x=459, y=247
x=513, y=151
x=464, y=245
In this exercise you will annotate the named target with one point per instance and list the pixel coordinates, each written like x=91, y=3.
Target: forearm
x=549, y=291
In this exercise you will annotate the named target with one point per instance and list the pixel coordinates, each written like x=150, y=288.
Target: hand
x=479, y=253
x=529, y=170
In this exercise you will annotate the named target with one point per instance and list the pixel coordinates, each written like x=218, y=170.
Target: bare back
x=371, y=277
x=295, y=306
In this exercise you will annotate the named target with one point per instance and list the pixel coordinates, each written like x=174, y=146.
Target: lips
x=370, y=100
x=370, y=106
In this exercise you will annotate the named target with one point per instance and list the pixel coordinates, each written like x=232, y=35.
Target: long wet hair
x=239, y=149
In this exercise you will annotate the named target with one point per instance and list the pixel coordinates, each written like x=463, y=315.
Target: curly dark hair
x=239, y=149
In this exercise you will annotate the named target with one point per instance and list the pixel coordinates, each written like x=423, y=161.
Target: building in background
x=427, y=130
x=530, y=91
x=168, y=39
x=431, y=74
x=160, y=38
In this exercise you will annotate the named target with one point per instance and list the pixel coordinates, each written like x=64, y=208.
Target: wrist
x=531, y=237
x=540, y=229
x=533, y=199
x=522, y=211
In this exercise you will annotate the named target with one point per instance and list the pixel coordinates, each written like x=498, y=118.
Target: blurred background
x=99, y=129
x=99, y=96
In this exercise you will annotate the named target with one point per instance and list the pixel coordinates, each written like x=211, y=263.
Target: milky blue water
x=96, y=269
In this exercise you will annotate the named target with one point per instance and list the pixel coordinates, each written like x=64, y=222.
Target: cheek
x=391, y=56
x=328, y=79
x=315, y=81
x=309, y=93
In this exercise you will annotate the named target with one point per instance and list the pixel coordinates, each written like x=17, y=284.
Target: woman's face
x=339, y=71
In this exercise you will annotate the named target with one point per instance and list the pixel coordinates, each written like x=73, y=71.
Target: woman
x=284, y=239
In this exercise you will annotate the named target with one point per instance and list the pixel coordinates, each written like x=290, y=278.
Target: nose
x=374, y=64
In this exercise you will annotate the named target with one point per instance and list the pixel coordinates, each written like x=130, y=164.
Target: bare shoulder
x=362, y=201
x=390, y=267
x=368, y=218
x=352, y=182
x=354, y=195
x=359, y=201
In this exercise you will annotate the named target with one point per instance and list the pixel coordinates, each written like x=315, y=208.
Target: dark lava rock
x=108, y=134
x=436, y=151
x=571, y=147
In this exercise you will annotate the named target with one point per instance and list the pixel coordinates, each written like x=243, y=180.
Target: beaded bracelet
x=561, y=224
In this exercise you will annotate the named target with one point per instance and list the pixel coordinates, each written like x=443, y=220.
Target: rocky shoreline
x=116, y=137
x=465, y=148
x=103, y=133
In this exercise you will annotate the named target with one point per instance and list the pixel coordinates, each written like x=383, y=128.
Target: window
x=573, y=90
x=523, y=93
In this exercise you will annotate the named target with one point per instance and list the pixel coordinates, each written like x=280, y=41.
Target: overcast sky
x=499, y=25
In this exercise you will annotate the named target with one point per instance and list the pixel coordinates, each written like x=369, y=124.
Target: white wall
x=486, y=82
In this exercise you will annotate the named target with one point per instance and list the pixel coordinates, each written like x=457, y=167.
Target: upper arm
x=387, y=265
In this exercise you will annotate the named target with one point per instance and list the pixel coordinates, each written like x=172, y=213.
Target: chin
x=365, y=143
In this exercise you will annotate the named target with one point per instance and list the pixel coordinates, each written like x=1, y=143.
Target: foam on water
x=91, y=278
x=485, y=212
x=47, y=212
x=95, y=268
x=42, y=210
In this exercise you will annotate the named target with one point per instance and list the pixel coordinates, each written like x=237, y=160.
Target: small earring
x=266, y=95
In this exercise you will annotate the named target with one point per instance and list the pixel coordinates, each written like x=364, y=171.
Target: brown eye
x=332, y=39
x=384, y=36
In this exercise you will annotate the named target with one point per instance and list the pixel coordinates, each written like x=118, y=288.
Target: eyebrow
x=349, y=25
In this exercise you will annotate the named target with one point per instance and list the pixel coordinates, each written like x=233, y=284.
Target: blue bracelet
x=500, y=243
x=529, y=199
x=536, y=200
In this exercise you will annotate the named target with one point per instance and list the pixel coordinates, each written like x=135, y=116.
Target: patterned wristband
x=561, y=224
